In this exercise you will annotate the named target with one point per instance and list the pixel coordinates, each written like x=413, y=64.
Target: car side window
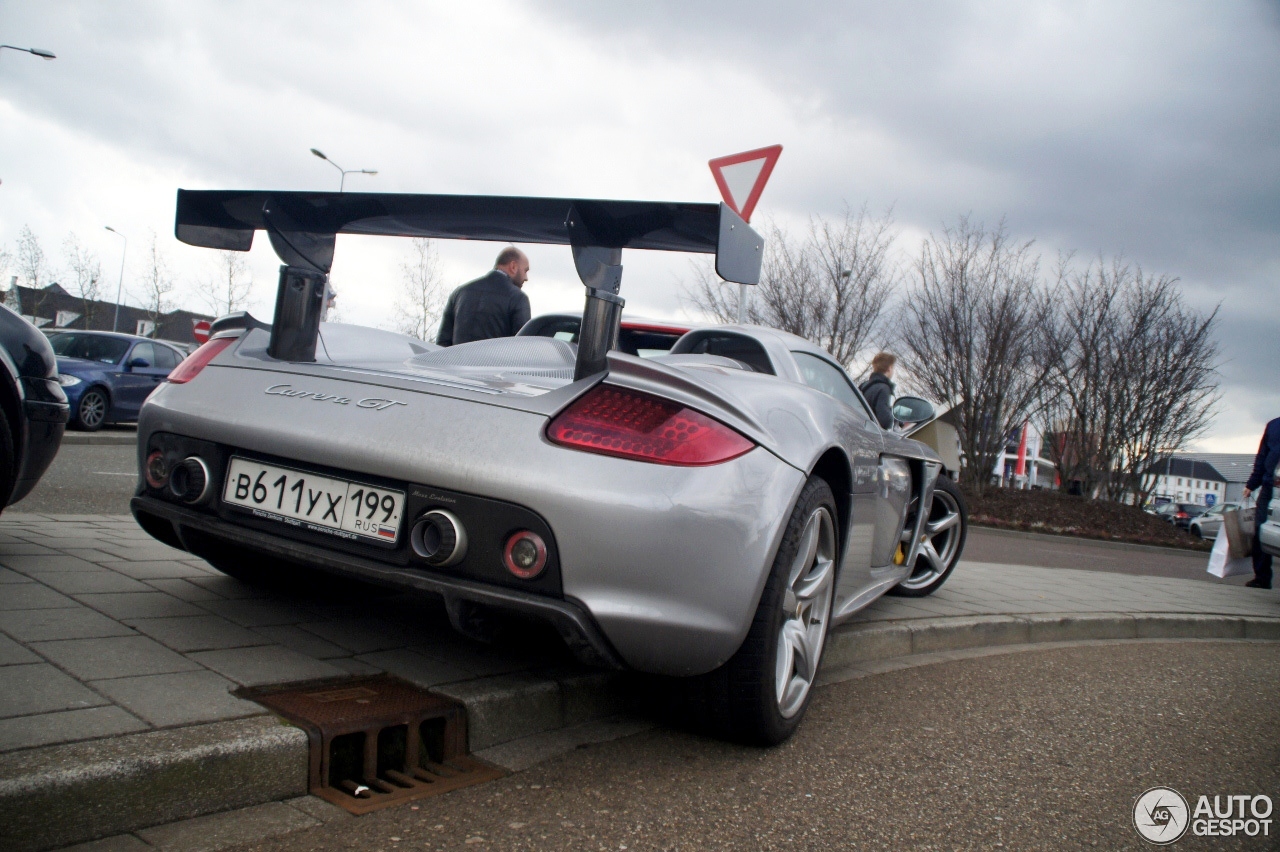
x=145, y=351
x=166, y=358
x=827, y=377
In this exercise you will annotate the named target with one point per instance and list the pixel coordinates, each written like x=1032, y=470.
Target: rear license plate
x=322, y=503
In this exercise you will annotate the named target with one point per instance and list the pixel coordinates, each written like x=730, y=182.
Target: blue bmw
x=106, y=376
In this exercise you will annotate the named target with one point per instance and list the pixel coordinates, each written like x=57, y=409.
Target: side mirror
x=138, y=363
x=913, y=409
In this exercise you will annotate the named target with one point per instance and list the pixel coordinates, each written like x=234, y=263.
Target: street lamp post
x=342, y=182
x=34, y=51
x=115, y=323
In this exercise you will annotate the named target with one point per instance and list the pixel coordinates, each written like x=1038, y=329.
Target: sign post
x=741, y=179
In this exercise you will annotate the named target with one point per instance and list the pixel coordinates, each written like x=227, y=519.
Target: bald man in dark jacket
x=492, y=306
x=1263, y=480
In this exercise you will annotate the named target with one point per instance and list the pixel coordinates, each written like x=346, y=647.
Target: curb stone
x=59, y=795
x=65, y=794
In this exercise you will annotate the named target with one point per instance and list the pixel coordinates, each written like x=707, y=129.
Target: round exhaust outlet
x=439, y=538
x=189, y=480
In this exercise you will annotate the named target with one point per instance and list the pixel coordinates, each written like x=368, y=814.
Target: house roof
x=1234, y=467
x=1182, y=466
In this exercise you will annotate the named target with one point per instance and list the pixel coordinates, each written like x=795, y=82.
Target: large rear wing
x=303, y=227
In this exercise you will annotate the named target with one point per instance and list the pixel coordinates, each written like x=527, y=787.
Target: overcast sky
x=1144, y=129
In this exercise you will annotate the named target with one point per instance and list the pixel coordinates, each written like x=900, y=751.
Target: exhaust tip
x=189, y=480
x=439, y=538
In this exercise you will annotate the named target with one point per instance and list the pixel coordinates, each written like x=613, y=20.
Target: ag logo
x=1161, y=815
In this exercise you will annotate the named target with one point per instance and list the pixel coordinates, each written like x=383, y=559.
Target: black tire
x=926, y=578
x=8, y=462
x=739, y=701
x=92, y=411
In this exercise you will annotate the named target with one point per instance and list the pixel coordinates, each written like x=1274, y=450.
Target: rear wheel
x=91, y=413
x=941, y=543
x=760, y=695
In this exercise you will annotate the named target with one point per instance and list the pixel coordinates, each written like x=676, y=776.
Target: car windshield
x=90, y=347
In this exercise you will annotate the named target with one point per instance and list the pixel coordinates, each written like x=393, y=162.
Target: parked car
x=33, y=407
x=642, y=337
x=706, y=514
x=1269, y=534
x=106, y=376
x=1180, y=514
x=1208, y=524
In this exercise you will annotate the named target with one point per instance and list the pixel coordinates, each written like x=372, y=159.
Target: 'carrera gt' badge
x=373, y=402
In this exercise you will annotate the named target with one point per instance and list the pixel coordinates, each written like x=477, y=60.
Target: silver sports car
x=709, y=513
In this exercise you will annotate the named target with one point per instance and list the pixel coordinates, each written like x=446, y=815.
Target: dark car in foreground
x=107, y=376
x=33, y=405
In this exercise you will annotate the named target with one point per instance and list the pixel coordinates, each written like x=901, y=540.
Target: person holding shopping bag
x=1263, y=480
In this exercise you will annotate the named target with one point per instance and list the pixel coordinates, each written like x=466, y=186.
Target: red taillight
x=198, y=360
x=616, y=421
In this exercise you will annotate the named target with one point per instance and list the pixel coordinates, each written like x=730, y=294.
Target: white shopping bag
x=1222, y=565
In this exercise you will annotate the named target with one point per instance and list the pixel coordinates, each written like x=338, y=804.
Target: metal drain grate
x=378, y=741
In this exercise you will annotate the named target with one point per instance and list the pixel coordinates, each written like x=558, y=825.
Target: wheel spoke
x=930, y=553
x=812, y=586
x=805, y=552
x=946, y=522
x=785, y=665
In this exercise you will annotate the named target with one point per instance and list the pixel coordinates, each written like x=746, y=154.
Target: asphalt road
x=86, y=480
x=1042, y=750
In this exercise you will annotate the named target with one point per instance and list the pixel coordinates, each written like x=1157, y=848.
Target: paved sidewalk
x=121, y=646
x=107, y=631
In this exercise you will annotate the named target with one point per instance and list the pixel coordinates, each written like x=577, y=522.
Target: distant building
x=1234, y=468
x=52, y=307
x=1184, y=480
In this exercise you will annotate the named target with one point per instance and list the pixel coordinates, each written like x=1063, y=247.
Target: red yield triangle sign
x=741, y=177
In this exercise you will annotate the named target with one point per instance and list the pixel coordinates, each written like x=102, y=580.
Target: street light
x=120, y=286
x=34, y=51
x=345, y=172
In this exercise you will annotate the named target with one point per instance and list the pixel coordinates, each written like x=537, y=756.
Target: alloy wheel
x=806, y=611
x=93, y=410
x=938, y=543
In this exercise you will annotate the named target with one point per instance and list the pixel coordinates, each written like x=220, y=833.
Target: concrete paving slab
x=184, y=698
x=40, y=688
x=74, y=622
x=119, y=843
x=121, y=656
x=127, y=605
x=198, y=633
x=28, y=596
x=8, y=576
x=92, y=582
x=23, y=732
x=228, y=588
x=414, y=667
x=265, y=665
x=183, y=590
x=160, y=569
x=12, y=653
x=302, y=641
x=31, y=564
x=358, y=636
x=258, y=613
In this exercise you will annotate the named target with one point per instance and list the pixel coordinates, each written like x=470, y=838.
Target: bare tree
x=831, y=287
x=1132, y=377
x=157, y=285
x=971, y=334
x=84, y=275
x=422, y=293
x=229, y=288
x=33, y=269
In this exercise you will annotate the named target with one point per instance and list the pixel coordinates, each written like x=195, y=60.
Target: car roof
x=119, y=335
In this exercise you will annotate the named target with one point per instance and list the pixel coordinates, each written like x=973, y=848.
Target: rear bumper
x=44, y=424
x=574, y=625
